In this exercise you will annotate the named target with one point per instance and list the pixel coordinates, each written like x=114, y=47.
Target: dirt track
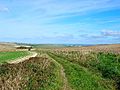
x=62, y=73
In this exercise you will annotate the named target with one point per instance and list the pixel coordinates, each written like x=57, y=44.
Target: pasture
x=12, y=55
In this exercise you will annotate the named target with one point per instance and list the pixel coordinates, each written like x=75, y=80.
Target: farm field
x=12, y=55
x=7, y=47
x=65, y=68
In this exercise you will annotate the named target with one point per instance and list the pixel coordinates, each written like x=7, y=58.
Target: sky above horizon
x=60, y=21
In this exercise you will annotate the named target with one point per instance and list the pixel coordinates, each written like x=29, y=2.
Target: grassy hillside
x=64, y=69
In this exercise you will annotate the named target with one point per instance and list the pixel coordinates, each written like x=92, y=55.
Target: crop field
x=12, y=55
x=72, y=68
x=7, y=47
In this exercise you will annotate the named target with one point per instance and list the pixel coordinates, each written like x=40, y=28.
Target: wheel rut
x=63, y=75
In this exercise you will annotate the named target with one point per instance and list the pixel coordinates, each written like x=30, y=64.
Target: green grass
x=93, y=71
x=106, y=64
x=81, y=78
x=7, y=56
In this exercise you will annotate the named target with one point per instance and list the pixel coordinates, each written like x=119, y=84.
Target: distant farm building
x=24, y=47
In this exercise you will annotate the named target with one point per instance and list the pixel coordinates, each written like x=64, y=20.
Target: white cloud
x=73, y=7
x=63, y=8
x=48, y=10
x=102, y=34
x=3, y=9
x=110, y=33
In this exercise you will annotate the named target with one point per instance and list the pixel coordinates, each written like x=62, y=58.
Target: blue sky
x=60, y=21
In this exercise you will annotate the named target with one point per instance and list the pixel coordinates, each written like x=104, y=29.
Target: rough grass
x=81, y=78
x=37, y=73
x=107, y=65
x=84, y=71
x=7, y=56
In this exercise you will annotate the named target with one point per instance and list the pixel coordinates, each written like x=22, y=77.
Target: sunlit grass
x=8, y=56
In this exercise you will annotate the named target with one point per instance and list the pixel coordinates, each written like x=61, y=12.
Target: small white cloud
x=103, y=34
x=4, y=9
x=110, y=33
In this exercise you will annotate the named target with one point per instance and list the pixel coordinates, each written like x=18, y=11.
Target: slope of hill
x=67, y=68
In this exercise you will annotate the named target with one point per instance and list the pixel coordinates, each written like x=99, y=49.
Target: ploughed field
x=73, y=68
